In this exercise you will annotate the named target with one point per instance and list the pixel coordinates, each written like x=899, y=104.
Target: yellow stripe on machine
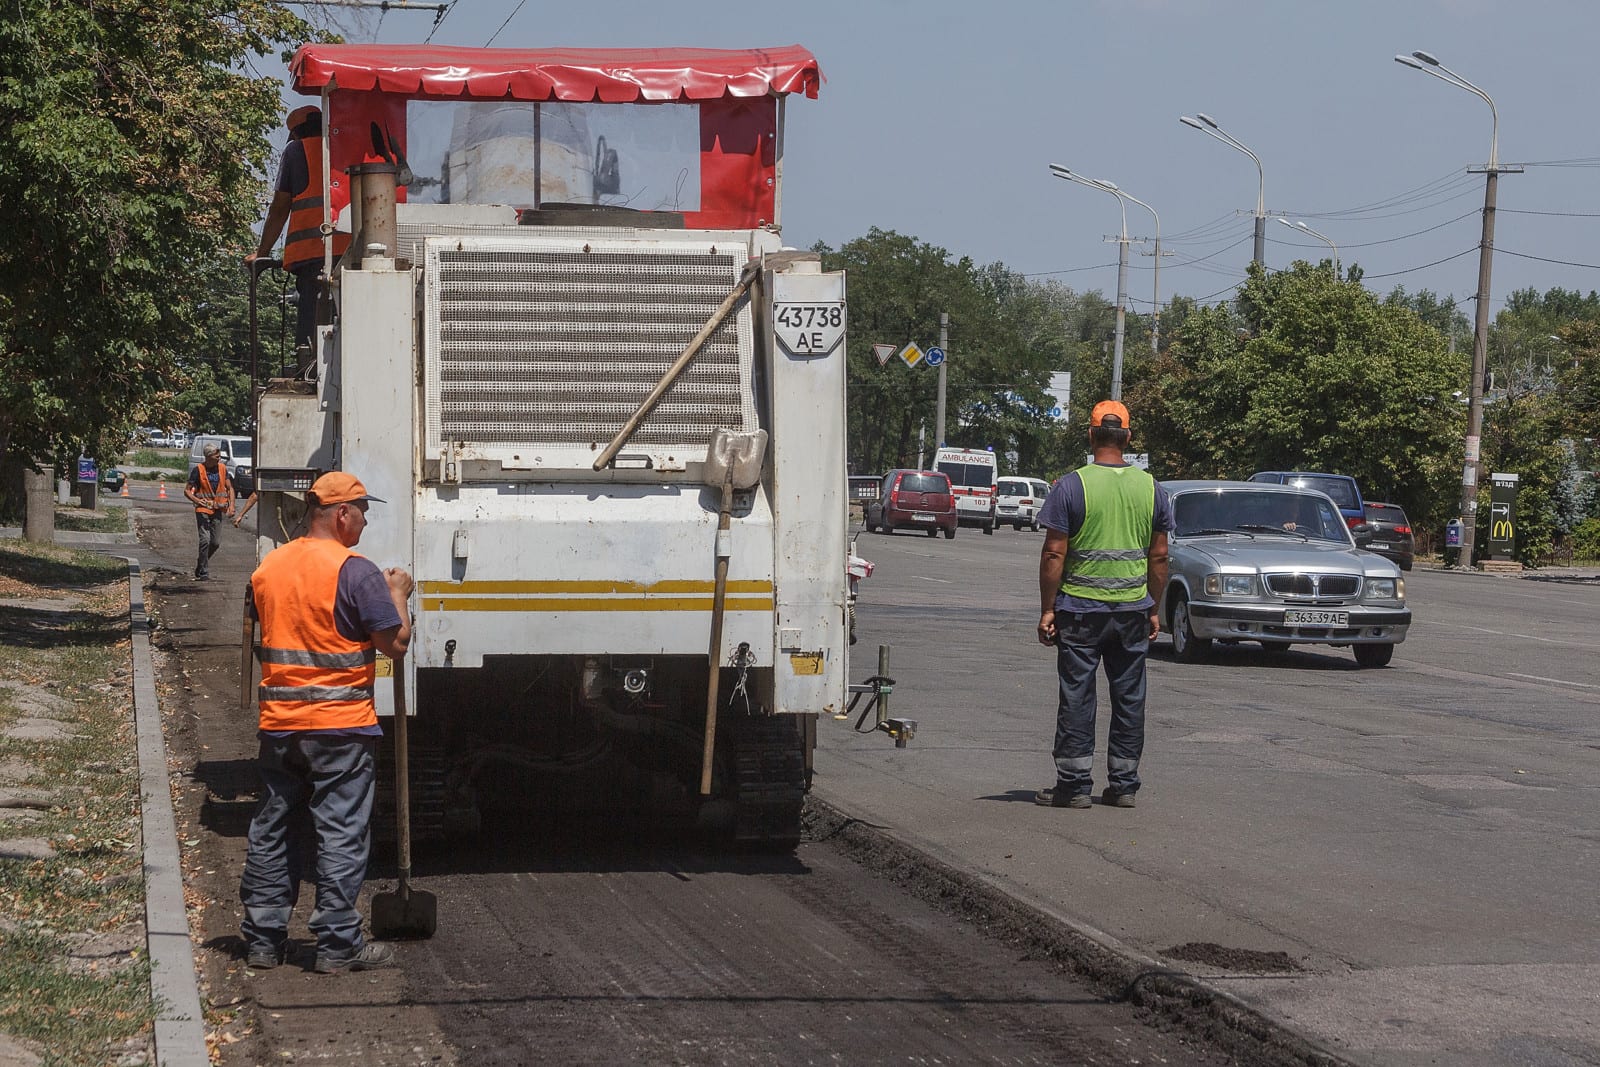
x=593, y=595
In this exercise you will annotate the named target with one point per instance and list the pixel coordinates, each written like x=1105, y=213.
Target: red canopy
x=575, y=75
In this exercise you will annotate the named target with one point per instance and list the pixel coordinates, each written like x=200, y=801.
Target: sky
x=938, y=119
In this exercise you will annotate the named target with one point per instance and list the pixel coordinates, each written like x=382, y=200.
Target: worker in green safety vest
x=1101, y=571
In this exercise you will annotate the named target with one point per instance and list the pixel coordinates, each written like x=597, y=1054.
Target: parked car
x=1018, y=500
x=908, y=499
x=112, y=480
x=1277, y=564
x=236, y=451
x=1391, y=533
x=1341, y=487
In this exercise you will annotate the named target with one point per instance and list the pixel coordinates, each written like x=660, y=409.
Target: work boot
x=266, y=957
x=373, y=955
x=1114, y=799
x=1060, y=797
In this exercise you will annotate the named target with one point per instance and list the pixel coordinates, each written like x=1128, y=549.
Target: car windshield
x=968, y=474
x=1338, y=488
x=923, y=483
x=1258, y=511
x=240, y=449
x=1011, y=487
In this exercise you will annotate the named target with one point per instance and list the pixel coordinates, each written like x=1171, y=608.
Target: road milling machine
x=605, y=409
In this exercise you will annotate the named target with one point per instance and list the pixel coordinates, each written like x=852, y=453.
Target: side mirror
x=1362, y=532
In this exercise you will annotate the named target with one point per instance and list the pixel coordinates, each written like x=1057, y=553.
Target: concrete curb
x=180, y=1036
x=1114, y=969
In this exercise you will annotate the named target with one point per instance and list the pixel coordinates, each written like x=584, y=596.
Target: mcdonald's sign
x=1503, y=516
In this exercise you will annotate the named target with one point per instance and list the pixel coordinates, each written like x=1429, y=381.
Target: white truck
x=605, y=407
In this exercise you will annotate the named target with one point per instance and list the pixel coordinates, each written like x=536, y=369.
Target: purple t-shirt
x=1063, y=510
x=361, y=607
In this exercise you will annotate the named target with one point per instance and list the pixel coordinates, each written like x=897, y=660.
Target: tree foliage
x=1308, y=372
x=130, y=166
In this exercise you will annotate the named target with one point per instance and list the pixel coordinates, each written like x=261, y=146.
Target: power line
x=439, y=21
x=1542, y=259
x=506, y=23
x=1425, y=266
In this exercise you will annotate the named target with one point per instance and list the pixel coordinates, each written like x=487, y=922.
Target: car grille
x=1316, y=587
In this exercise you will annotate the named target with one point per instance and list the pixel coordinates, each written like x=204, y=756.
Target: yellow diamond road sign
x=911, y=354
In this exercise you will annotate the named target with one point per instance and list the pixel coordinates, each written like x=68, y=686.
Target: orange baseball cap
x=338, y=487
x=1107, y=410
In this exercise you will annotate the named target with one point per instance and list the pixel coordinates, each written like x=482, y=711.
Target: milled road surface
x=603, y=948
x=1419, y=843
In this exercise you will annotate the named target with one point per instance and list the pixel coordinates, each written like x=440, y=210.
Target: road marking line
x=925, y=578
x=1557, y=681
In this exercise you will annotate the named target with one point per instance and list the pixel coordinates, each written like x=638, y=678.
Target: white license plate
x=1379, y=544
x=921, y=516
x=1294, y=617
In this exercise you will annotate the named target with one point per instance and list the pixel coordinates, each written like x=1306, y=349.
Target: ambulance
x=972, y=473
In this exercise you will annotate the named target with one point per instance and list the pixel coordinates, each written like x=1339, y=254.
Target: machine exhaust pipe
x=372, y=201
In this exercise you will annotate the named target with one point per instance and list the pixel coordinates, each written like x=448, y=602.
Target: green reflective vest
x=1108, y=558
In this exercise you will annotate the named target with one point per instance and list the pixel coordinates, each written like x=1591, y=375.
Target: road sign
x=883, y=352
x=912, y=354
x=86, y=469
x=935, y=356
x=1055, y=413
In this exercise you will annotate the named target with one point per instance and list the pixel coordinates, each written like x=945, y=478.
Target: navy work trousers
x=332, y=777
x=1119, y=639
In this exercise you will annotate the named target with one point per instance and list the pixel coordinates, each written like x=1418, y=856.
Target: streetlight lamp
x=1324, y=238
x=1429, y=65
x=1122, y=266
x=1208, y=125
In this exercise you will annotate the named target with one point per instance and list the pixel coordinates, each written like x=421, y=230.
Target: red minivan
x=913, y=500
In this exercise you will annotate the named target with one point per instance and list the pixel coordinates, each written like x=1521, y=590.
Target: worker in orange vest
x=297, y=200
x=210, y=490
x=324, y=611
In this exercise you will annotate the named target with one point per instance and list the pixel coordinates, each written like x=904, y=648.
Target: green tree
x=130, y=165
x=1005, y=338
x=1306, y=371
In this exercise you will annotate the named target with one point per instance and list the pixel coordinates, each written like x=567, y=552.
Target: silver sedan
x=1276, y=564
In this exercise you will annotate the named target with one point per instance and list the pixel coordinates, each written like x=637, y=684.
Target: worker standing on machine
x=297, y=200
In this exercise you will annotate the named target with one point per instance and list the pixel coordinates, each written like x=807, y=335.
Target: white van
x=972, y=477
x=236, y=451
x=1018, y=500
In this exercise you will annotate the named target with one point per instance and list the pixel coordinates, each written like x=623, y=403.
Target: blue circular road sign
x=935, y=356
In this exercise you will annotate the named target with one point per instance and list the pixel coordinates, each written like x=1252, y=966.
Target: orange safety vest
x=312, y=677
x=213, y=497
x=304, y=242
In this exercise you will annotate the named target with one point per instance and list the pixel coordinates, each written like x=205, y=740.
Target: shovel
x=405, y=913
x=732, y=462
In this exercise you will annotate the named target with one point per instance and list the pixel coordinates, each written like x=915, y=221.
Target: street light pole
x=1426, y=63
x=1208, y=125
x=1155, y=319
x=1122, y=267
x=1303, y=228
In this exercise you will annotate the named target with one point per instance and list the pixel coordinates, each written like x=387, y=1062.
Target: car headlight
x=1386, y=588
x=1230, y=584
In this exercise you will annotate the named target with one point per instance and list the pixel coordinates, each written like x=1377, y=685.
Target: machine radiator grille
x=548, y=350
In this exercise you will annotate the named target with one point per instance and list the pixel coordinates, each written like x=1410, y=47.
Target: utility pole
x=1430, y=65
x=1122, y=312
x=944, y=345
x=1480, y=360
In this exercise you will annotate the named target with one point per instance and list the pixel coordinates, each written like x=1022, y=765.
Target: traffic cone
x=163, y=494
x=124, y=489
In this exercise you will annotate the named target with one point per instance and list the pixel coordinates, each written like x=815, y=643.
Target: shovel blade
x=409, y=915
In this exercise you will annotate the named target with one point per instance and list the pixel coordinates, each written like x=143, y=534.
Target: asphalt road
x=601, y=946
x=1419, y=841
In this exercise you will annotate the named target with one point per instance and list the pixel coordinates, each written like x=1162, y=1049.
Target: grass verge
x=149, y=457
x=74, y=978
x=108, y=520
